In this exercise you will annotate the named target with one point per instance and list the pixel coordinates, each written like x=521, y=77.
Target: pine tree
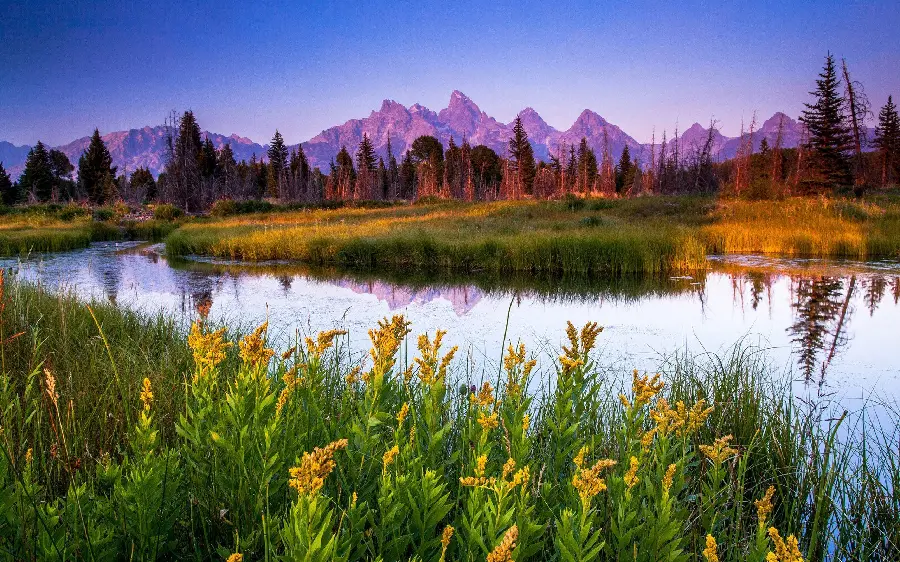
x=228, y=172
x=143, y=184
x=829, y=135
x=407, y=177
x=522, y=157
x=887, y=140
x=96, y=174
x=366, y=169
x=587, y=167
x=37, y=179
x=183, y=177
x=624, y=171
x=278, y=162
x=393, y=173
x=344, y=174
x=8, y=193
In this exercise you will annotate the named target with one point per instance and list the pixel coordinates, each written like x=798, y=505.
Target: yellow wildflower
x=485, y=396
x=432, y=368
x=50, y=384
x=785, y=550
x=208, y=348
x=667, y=479
x=667, y=419
x=710, y=552
x=509, y=467
x=476, y=481
x=587, y=480
x=631, y=476
x=526, y=422
x=29, y=455
x=253, y=347
x=644, y=388
x=503, y=551
x=764, y=506
x=580, y=344
x=521, y=476
x=695, y=417
x=488, y=422
x=390, y=455
x=569, y=364
x=719, y=451
x=401, y=415
x=353, y=499
x=309, y=477
x=579, y=457
x=324, y=341
x=647, y=439
x=445, y=541
x=480, y=464
x=624, y=400
x=353, y=376
x=236, y=557
x=147, y=394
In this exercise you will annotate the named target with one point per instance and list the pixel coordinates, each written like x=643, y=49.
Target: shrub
x=166, y=212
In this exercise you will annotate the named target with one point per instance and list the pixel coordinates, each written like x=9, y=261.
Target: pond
x=832, y=326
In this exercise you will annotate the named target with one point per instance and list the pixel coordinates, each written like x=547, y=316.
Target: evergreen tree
x=365, y=156
x=143, y=184
x=8, y=193
x=37, y=179
x=62, y=169
x=587, y=166
x=278, y=162
x=344, y=174
x=407, y=177
x=96, y=174
x=829, y=135
x=183, y=176
x=624, y=171
x=522, y=155
x=887, y=140
x=393, y=173
x=208, y=159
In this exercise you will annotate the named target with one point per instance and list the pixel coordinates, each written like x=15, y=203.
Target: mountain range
x=461, y=119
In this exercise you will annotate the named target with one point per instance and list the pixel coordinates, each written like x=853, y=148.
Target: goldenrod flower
x=390, y=455
x=476, y=481
x=631, y=478
x=485, y=396
x=587, y=481
x=668, y=478
x=719, y=451
x=309, y=477
x=522, y=476
x=433, y=368
x=488, y=422
x=253, y=348
x=445, y=541
x=353, y=499
x=569, y=364
x=236, y=557
x=50, y=384
x=353, y=376
x=509, y=467
x=401, y=415
x=710, y=552
x=580, y=344
x=785, y=550
x=517, y=370
x=764, y=506
x=146, y=394
x=503, y=551
x=208, y=348
x=324, y=340
x=644, y=388
x=480, y=464
x=29, y=455
x=579, y=457
x=647, y=439
x=526, y=422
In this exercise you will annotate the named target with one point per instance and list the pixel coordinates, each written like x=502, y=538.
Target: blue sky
x=248, y=68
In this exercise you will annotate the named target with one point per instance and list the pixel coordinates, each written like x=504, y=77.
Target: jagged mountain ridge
x=462, y=120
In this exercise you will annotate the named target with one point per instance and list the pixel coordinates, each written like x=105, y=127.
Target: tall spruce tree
x=624, y=171
x=887, y=140
x=8, y=193
x=143, y=184
x=96, y=174
x=278, y=162
x=37, y=179
x=829, y=133
x=522, y=155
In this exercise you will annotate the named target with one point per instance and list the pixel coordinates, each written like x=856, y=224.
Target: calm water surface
x=833, y=326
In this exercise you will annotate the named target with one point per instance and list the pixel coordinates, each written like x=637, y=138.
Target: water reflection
x=826, y=318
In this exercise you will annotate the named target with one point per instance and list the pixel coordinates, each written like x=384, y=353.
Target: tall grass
x=646, y=235
x=228, y=447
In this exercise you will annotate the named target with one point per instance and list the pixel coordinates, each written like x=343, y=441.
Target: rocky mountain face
x=461, y=120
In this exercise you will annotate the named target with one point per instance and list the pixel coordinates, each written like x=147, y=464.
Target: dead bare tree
x=859, y=111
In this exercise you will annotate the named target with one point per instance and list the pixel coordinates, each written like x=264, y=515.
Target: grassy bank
x=618, y=237
x=306, y=455
x=56, y=228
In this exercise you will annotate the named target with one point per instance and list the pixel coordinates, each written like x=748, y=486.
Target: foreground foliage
x=304, y=456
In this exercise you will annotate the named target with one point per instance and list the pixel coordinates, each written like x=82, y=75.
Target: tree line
x=197, y=174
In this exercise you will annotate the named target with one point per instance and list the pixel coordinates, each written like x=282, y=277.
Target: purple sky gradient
x=68, y=67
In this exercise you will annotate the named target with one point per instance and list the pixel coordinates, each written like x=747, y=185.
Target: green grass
x=86, y=472
x=653, y=235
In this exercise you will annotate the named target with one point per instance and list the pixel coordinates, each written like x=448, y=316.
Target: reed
x=120, y=439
